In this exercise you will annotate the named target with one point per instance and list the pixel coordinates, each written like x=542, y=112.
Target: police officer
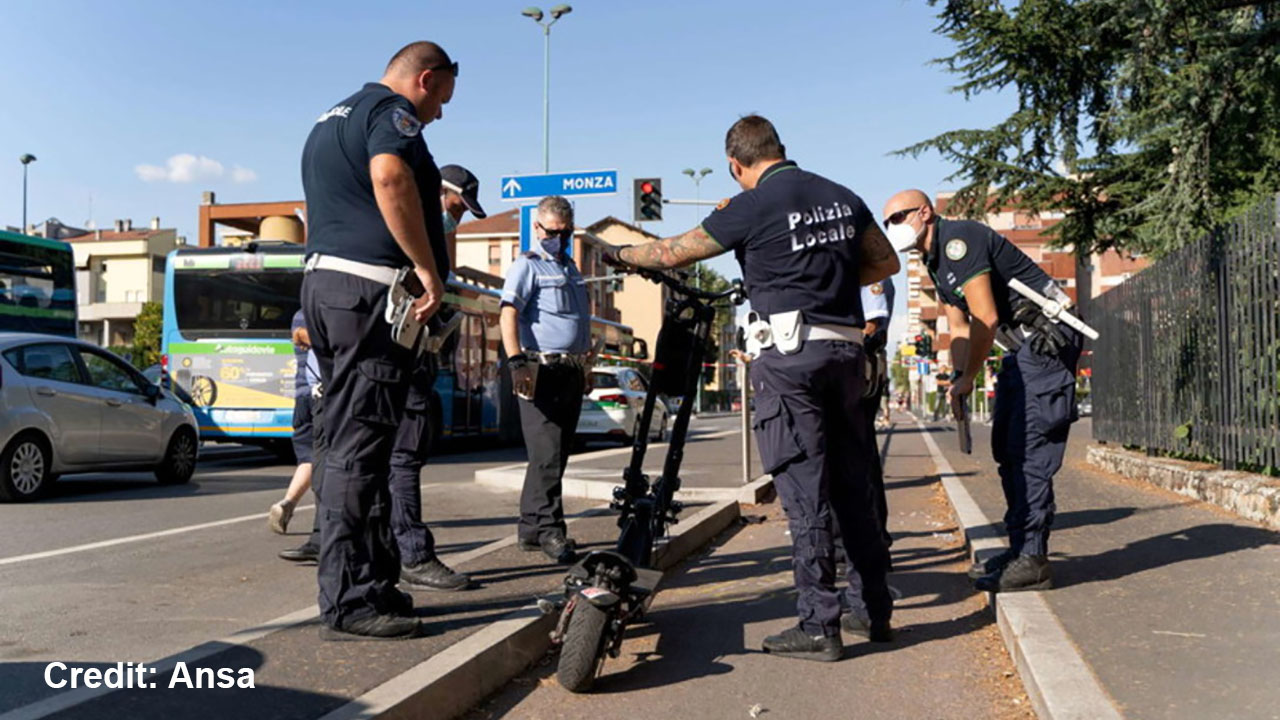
x=806, y=246
x=373, y=206
x=546, y=333
x=972, y=265
x=420, y=568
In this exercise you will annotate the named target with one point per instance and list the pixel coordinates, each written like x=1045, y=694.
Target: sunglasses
x=899, y=216
x=564, y=233
x=451, y=67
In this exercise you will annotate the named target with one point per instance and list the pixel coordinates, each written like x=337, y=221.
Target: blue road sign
x=588, y=182
x=923, y=368
x=527, y=215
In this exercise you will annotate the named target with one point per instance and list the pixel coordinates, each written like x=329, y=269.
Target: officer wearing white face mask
x=972, y=266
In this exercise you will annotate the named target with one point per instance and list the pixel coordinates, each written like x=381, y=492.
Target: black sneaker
x=529, y=545
x=990, y=565
x=859, y=622
x=433, y=575
x=796, y=643
x=305, y=552
x=560, y=549
x=374, y=627
x=1025, y=572
x=400, y=604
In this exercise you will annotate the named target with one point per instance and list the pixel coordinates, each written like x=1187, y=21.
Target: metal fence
x=1189, y=358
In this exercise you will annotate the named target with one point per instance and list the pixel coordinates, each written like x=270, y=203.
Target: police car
x=613, y=408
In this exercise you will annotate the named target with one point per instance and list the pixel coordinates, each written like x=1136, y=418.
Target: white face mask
x=902, y=237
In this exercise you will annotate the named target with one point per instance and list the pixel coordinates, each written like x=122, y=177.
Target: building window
x=495, y=254
x=515, y=251
x=157, y=265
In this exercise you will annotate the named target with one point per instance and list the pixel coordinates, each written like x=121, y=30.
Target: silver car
x=613, y=407
x=67, y=407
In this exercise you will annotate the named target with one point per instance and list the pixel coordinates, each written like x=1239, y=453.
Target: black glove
x=1048, y=339
x=515, y=362
x=613, y=256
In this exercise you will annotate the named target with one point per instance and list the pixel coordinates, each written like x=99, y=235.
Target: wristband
x=518, y=361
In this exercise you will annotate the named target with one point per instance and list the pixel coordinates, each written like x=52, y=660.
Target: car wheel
x=179, y=462
x=25, y=469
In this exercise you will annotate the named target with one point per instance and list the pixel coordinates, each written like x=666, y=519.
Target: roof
x=503, y=222
x=112, y=235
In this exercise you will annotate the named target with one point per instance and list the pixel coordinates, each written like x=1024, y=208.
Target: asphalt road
x=117, y=568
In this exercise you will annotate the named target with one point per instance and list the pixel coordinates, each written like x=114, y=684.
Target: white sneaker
x=279, y=516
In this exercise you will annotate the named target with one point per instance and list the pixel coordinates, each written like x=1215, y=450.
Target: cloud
x=185, y=168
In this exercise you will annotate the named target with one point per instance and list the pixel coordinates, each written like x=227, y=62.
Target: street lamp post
x=697, y=177
x=26, y=159
x=535, y=14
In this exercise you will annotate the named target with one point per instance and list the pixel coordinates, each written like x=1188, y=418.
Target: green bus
x=37, y=285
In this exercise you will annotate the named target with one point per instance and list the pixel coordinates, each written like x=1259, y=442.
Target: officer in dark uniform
x=806, y=246
x=972, y=265
x=373, y=207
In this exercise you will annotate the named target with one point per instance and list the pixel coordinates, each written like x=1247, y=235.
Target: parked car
x=154, y=374
x=68, y=407
x=614, y=405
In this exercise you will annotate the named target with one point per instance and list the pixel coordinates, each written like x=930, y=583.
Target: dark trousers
x=1035, y=406
x=811, y=431
x=549, y=422
x=413, y=537
x=365, y=384
x=852, y=595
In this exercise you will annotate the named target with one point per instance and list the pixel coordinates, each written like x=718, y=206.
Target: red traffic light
x=646, y=187
x=919, y=338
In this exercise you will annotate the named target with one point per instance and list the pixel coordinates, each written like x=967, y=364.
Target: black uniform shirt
x=965, y=249
x=798, y=237
x=342, y=214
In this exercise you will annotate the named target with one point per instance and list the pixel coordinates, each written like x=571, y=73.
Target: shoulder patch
x=956, y=249
x=876, y=288
x=723, y=204
x=406, y=124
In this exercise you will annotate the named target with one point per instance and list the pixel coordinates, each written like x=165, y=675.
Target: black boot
x=374, y=627
x=306, y=552
x=796, y=643
x=433, y=575
x=991, y=564
x=1025, y=572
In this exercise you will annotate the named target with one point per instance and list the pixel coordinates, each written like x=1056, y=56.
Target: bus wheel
x=179, y=462
x=25, y=472
x=204, y=390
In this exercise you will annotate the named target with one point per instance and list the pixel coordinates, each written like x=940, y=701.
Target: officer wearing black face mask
x=546, y=333
x=972, y=266
x=807, y=246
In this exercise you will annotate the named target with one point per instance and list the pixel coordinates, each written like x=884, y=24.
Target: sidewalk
x=1172, y=603
x=699, y=656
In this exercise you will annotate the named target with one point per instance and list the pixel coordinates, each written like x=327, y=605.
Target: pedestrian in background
x=306, y=377
x=546, y=332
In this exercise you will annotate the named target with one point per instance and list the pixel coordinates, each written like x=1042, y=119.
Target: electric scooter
x=609, y=589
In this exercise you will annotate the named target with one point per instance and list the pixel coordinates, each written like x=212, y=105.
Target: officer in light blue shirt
x=546, y=333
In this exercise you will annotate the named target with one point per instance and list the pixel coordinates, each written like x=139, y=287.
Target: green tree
x=147, y=328
x=1145, y=121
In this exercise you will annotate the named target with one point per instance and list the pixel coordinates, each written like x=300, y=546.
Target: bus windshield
x=224, y=303
x=37, y=286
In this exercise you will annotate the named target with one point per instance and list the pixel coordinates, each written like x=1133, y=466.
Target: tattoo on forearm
x=673, y=252
x=876, y=248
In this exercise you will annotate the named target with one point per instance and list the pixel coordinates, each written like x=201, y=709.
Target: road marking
x=1057, y=679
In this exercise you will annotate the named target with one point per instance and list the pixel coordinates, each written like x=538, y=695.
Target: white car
x=69, y=407
x=613, y=407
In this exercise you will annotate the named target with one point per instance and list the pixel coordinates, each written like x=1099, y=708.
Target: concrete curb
x=511, y=477
x=1057, y=679
x=1253, y=497
x=452, y=681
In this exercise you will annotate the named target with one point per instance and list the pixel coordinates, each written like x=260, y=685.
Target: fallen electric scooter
x=609, y=589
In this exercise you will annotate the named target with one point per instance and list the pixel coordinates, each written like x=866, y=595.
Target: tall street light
x=26, y=159
x=557, y=12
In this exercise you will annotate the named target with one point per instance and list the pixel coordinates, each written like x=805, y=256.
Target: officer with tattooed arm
x=973, y=267
x=806, y=246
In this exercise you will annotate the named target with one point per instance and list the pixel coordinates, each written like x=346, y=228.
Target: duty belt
x=557, y=358
x=825, y=331
x=377, y=273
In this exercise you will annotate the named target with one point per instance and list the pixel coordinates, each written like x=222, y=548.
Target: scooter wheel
x=582, y=652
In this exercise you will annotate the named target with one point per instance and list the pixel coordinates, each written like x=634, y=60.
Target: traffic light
x=919, y=343
x=648, y=199
x=924, y=346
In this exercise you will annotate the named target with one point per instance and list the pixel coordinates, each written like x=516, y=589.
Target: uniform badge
x=876, y=289
x=406, y=124
x=723, y=204
x=956, y=249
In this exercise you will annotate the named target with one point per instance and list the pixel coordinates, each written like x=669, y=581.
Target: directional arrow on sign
x=511, y=187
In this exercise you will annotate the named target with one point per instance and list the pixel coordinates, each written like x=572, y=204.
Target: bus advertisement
x=37, y=285
x=226, y=341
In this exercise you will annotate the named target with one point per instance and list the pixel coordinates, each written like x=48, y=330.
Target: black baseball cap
x=461, y=181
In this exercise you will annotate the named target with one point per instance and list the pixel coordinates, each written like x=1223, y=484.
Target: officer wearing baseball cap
x=806, y=245
x=373, y=207
x=972, y=265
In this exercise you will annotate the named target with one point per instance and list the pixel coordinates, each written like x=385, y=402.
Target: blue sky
x=105, y=94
